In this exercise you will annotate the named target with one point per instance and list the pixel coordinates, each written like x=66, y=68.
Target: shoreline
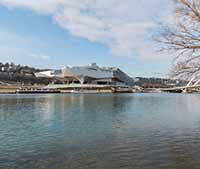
x=81, y=89
x=69, y=90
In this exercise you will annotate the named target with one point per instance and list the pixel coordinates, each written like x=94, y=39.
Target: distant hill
x=11, y=73
x=157, y=82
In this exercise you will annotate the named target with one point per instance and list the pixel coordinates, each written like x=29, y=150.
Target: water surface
x=108, y=131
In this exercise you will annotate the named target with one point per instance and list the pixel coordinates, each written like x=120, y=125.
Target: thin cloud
x=40, y=56
x=121, y=25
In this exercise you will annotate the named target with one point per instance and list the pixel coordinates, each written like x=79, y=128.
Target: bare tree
x=184, y=38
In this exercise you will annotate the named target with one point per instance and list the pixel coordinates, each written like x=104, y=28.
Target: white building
x=44, y=74
x=91, y=74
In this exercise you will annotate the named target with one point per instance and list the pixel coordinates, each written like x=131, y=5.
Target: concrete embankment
x=90, y=88
x=8, y=89
x=64, y=89
x=12, y=89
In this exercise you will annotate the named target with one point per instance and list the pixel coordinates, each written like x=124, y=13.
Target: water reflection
x=99, y=131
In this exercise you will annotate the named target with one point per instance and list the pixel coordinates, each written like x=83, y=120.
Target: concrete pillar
x=82, y=79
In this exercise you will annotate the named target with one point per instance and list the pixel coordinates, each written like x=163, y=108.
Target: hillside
x=11, y=73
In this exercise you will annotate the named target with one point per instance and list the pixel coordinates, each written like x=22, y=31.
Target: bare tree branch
x=183, y=39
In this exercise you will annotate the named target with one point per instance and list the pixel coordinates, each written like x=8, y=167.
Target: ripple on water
x=136, y=131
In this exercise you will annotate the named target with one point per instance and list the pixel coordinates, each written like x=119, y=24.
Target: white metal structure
x=48, y=73
x=90, y=74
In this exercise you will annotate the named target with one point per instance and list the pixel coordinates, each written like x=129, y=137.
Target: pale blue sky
x=58, y=33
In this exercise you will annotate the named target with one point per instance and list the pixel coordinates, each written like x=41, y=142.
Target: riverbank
x=8, y=90
x=65, y=89
x=85, y=88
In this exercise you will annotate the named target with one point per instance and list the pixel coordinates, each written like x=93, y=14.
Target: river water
x=105, y=131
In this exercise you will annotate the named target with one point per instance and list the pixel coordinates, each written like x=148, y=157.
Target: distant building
x=47, y=74
x=90, y=74
x=26, y=72
x=153, y=82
